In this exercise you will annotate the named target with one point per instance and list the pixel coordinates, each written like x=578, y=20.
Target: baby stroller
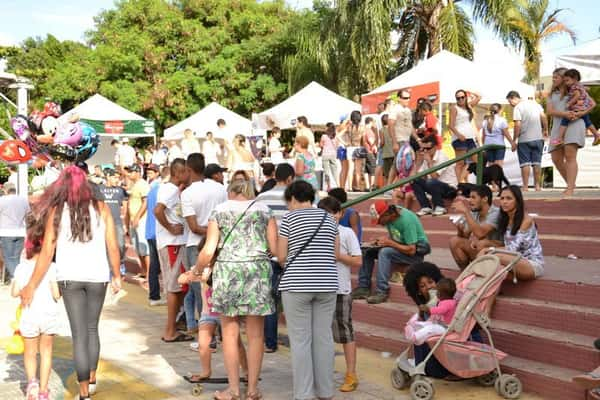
x=477, y=286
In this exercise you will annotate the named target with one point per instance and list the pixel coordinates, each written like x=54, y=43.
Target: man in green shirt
x=407, y=244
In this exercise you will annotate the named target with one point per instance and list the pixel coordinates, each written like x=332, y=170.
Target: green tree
x=166, y=59
x=530, y=24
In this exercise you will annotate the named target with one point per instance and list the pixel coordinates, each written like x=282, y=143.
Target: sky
x=69, y=19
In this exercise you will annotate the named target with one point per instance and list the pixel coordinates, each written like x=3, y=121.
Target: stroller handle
x=516, y=258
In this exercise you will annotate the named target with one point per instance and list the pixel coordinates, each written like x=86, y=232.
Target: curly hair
x=35, y=234
x=414, y=273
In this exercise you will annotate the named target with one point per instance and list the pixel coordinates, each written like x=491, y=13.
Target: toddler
x=207, y=326
x=440, y=315
x=39, y=321
x=578, y=100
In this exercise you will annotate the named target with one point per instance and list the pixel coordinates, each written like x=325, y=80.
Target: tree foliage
x=165, y=60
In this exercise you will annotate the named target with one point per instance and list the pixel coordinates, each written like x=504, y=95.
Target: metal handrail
x=478, y=151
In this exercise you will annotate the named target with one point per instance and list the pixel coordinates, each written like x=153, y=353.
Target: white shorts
x=34, y=327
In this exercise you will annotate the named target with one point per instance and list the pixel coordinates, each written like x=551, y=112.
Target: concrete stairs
x=547, y=326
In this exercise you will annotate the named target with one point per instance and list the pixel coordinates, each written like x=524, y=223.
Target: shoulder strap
x=290, y=261
x=237, y=221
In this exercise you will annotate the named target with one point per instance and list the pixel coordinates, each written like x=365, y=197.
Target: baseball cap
x=153, y=167
x=377, y=209
x=212, y=169
x=110, y=172
x=133, y=168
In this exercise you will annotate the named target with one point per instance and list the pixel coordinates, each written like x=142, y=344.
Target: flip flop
x=182, y=337
x=199, y=379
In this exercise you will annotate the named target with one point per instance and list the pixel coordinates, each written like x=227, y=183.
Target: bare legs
x=44, y=343
x=565, y=161
x=358, y=174
x=344, y=173
x=174, y=301
x=459, y=166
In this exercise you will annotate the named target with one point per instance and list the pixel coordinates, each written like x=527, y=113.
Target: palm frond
x=456, y=31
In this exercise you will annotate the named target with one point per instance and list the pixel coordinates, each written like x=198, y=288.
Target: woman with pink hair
x=81, y=232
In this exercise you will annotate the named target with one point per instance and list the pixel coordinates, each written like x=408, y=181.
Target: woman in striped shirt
x=307, y=247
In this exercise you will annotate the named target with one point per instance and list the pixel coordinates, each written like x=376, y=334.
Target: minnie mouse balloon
x=20, y=126
x=49, y=126
x=69, y=133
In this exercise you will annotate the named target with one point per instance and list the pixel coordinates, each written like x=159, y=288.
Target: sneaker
x=123, y=270
x=397, y=277
x=377, y=298
x=350, y=383
x=92, y=388
x=360, y=293
x=194, y=346
x=424, y=211
x=439, y=211
x=33, y=390
x=44, y=395
x=596, y=141
x=159, y=302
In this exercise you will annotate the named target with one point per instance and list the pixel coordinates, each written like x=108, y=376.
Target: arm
x=55, y=291
x=282, y=250
x=136, y=219
x=354, y=221
x=194, y=227
x=299, y=168
x=474, y=99
x=479, y=231
x=159, y=213
x=516, y=131
x=14, y=289
x=43, y=262
x=209, y=248
x=442, y=308
x=579, y=114
x=112, y=246
x=452, y=123
x=544, y=121
x=574, y=99
x=272, y=235
x=350, y=261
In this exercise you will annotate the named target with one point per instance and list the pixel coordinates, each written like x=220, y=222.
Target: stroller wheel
x=400, y=379
x=488, y=379
x=422, y=389
x=509, y=386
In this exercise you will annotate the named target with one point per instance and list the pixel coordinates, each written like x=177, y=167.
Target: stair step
x=551, y=382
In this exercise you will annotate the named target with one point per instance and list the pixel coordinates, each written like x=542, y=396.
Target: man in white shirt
x=400, y=120
x=531, y=127
x=124, y=155
x=174, y=152
x=197, y=202
x=13, y=209
x=170, y=241
x=211, y=149
x=440, y=185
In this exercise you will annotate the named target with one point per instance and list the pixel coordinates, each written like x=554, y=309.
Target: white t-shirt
x=529, y=112
x=13, y=209
x=168, y=195
x=274, y=150
x=189, y=146
x=448, y=174
x=125, y=155
x=403, y=126
x=43, y=303
x=349, y=246
x=198, y=200
x=211, y=151
x=173, y=153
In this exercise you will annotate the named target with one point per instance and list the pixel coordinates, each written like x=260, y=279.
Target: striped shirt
x=274, y=198
x=314, y=269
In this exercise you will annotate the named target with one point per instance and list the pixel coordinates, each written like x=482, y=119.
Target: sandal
x=230, y=396
x=254, y=396
x=596, y=141
x=182, y=337
x=196, y=378
x=33, y=390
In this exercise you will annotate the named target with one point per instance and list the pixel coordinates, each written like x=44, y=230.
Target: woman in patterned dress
x=305, y=162
x=241, y=279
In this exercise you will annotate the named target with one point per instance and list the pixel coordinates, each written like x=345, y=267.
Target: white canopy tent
x=453, y=73
x=205, y=120
x=586, y=59
x=317, y=103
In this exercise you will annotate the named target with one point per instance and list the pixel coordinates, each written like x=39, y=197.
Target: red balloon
x=14, y=151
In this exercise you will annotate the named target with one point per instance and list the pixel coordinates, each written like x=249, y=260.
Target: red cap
x=378, y=208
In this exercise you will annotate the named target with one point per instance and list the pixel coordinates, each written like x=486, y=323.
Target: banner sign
x=123, y=128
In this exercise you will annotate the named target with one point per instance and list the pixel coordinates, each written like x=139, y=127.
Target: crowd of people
x=231, y=243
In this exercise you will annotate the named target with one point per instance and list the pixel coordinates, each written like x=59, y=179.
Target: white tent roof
x=317, y=103
x=453, y=73
x=205, y=120
x=586, y=59
x=99, y=108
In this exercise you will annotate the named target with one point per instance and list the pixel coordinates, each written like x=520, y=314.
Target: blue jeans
x=436, y=188
x=193, y=298
x=153, y=284
x=12, y=247
x=272, y=320
x=386, y=256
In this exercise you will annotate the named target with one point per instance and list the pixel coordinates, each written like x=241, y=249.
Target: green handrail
x=478, y=151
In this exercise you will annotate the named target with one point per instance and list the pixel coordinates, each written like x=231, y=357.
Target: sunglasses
x=405, y=98
x=426, y=148
x=460, y=97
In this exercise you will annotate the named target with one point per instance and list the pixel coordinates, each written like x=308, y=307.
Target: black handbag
x=275, y=288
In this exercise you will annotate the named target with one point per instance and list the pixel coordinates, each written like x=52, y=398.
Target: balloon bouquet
x=41, y=138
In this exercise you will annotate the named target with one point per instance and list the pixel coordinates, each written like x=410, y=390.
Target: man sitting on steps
x=407, y=244
x=477, y=228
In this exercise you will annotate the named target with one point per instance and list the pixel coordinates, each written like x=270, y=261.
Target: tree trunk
x=434, y=29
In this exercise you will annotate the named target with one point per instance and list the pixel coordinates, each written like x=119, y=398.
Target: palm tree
x=529, y=25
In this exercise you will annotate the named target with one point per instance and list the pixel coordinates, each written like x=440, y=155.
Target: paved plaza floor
x=135, y=364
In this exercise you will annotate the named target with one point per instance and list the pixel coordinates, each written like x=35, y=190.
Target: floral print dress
x=242, y=272
x=309, y=170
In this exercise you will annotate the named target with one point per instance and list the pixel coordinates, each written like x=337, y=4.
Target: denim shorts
x=342, y=153
x=467, y=145
x=530, y=153
x=209, y=319
x=495, y=155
